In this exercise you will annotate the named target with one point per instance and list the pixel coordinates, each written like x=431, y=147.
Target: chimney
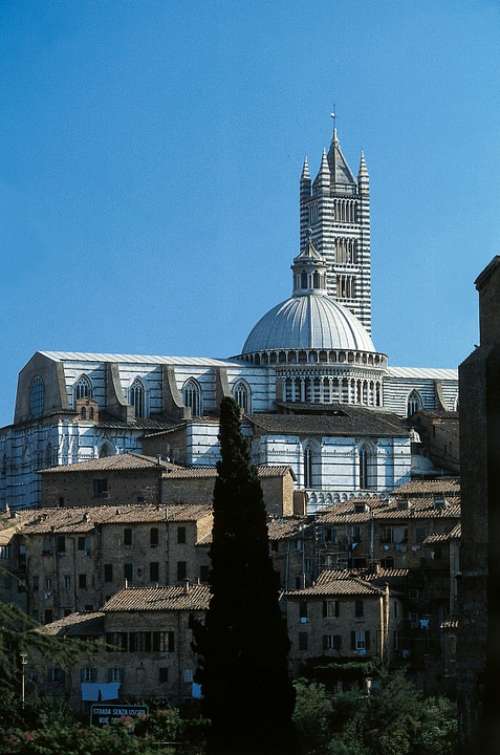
x=186, y=586
x=126, y=583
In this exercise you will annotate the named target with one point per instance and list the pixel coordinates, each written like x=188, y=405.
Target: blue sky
x=151, y=154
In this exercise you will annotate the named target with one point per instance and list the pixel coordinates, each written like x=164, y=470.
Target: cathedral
x=315, y=393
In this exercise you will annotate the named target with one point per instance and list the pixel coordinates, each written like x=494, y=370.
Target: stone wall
x=123, y=487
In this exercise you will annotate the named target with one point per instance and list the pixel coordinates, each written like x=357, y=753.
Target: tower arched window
x=83, y=388
x=367, y=468
x=414, y=403
x=137, y=398
x=316, y=279
x=303, y=280
x=37, y=397
x=192, y=397
x=241, y=393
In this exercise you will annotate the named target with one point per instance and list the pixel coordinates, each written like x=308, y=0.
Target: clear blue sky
x=151, y=154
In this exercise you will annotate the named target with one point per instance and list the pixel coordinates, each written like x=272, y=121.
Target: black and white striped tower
x=337, y=211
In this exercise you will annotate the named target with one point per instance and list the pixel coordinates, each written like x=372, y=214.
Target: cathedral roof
x=339, y=168
x=308, y=322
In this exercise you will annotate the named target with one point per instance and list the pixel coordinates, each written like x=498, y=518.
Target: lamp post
x=24, y=661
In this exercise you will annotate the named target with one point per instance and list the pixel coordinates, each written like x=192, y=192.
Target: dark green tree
x=243, y=645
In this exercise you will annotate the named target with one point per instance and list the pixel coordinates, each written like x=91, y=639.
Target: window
x=181, y=570
x=136, y=398
x=82, y=543
x=88, y=674
x=154, y=571
x=82, y=581
x=358, y=609
x=192, y=397
x=61, y=543
x=108, y=572
x=331, y=609
x=116, y=675
x=83, y=388
x=420, y=534
x=241, y=394
x=154, y=537
x=328, y=641
x=127, y=536
x=302, y=640
x=47, y=616
x=204, y=573
x=89, y=607
x=163, y=674
x=67, y=581
x=307, y=468
x=61, y=501
x=37, y=397
x=128, y=572
x=303, y=615
x=414, y=403
x=55, y=674
x=367, y=468
x=181, y=535
x=83, y=413
x=48, y=584
x=100, y=488
x=36, y=583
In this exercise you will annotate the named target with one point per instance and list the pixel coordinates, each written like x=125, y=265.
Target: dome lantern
x=309, y=271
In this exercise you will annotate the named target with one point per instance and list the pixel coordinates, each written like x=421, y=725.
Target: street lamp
x=24, y=661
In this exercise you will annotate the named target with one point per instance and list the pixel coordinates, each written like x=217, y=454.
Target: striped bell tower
x=336, y=207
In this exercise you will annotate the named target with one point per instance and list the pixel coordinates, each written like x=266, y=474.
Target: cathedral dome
x=311, y=321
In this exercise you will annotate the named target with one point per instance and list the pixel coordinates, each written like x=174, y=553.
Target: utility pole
x=24, y=661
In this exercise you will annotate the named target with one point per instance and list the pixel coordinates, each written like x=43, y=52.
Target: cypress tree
x=243, y=645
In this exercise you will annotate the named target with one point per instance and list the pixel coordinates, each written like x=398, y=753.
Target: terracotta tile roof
x=444, y=537
x=80, y=520
x=349, y=586
x=86, y=623
x=192, y=598
x=116, y=462
x=284, y=527
x=7, y=534
x=390, y=508
x=329, y=575
x=198, y=472
x=445, y=486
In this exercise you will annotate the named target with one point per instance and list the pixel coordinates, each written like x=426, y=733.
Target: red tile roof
x=189, y=598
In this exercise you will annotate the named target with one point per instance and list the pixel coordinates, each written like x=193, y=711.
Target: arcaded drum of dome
x=308, y=322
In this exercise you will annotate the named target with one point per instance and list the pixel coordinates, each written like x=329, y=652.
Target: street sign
x=103, y=715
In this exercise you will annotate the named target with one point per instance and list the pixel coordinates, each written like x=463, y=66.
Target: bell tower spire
x=336, y=207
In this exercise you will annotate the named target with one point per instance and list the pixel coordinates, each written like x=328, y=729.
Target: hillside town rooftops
x=444, y=537
x=184, y=598
x=443, y=485
x=83, y=520
x=263, y=471
x=356, y=511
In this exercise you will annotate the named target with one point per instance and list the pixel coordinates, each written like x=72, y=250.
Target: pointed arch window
x=192, y=397
x=367, y=468
x=137, y=398
x=83, y=388
x=241, y=393
x=414, y=403
x=106, y=450
x=37, y=397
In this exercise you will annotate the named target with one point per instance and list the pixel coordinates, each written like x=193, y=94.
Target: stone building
x=311, y=354
x=478, y=656
x=148, y=654
x=74, y=559
x=130, y=478
x=342, y=618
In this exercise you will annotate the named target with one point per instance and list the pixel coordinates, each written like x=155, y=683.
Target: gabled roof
x=443, y=485
x=116, y=462
x=374, y=575
x=388, y=509
x=349, y=421
x=337, y=587
x=189, y=598
x=78, y=624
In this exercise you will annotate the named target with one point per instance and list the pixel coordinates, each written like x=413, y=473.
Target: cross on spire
x=333, y=116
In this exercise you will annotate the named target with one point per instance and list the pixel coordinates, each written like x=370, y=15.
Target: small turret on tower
x=323, y=179
x=309, y=270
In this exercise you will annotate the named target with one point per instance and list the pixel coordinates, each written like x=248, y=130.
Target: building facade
x=310, y=355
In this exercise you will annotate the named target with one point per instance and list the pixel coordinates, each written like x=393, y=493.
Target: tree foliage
x=243, y=645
